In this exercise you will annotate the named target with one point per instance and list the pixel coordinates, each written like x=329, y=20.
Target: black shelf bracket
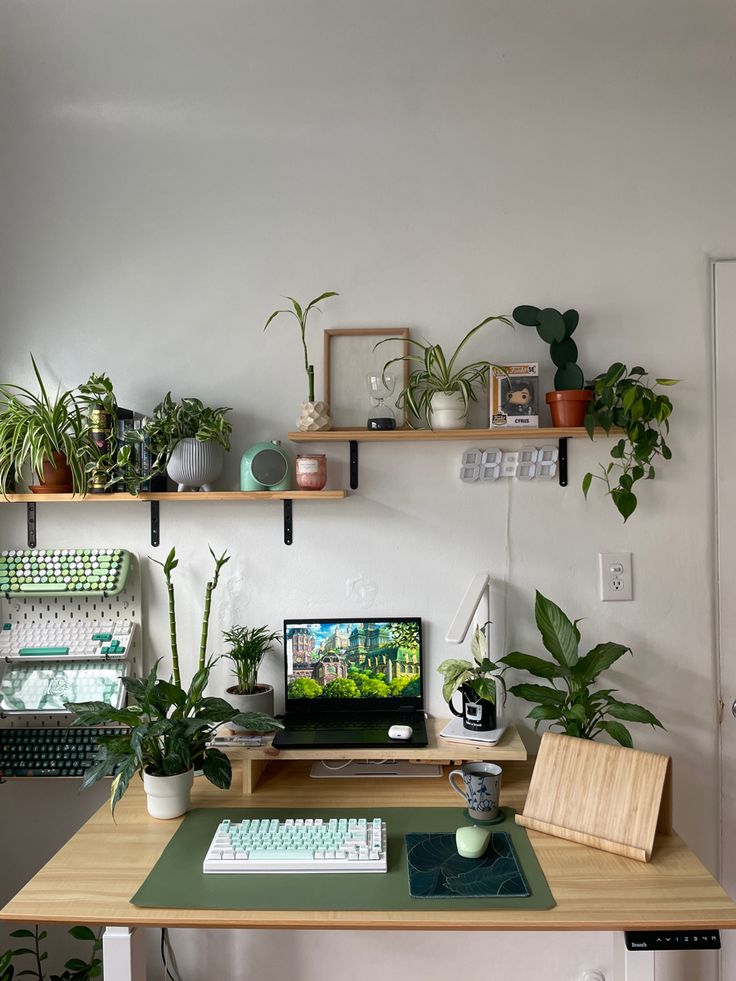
x=562, y=460
x=155, y=524
x=288, y=522
x=31, y=523
x=353, y=464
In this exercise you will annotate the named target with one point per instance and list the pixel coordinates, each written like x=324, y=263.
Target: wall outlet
x=614, y=570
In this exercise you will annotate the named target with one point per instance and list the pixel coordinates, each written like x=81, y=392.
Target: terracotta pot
x=569, y=407
x=56, y=477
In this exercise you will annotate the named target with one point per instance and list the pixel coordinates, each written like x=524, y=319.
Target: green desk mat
x=177, y=881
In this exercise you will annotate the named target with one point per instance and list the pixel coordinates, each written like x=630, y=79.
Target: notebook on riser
x=349, y=681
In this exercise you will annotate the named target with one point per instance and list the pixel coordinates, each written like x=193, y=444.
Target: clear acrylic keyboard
x=71, y=639
x=298, y=845
x=46, y=687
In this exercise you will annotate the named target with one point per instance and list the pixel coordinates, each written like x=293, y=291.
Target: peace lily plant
x=169, y=724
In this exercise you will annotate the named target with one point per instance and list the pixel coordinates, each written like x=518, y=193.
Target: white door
x=724, y=306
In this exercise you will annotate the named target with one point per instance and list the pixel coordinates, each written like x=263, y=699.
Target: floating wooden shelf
x=355, y=436
x=256, y=758
x=154, y=499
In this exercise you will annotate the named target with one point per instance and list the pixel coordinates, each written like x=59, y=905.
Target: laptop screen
x=338, y=665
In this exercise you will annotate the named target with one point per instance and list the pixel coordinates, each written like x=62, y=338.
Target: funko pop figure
x=518, y=398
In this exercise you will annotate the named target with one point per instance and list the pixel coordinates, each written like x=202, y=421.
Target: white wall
x=169, y=169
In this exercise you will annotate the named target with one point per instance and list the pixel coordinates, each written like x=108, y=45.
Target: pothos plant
x=438, y=373
x=628, y=401
x=168, y=725
x=476, y=674
x=568, y=700
x=300, y=313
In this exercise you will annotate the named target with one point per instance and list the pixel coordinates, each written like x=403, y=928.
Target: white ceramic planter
x=259, y=701
x=168, y=797
x=314, y=417
x=448, y=411
x=195, y=464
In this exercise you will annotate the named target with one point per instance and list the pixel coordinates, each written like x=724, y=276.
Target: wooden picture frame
x=348, y=358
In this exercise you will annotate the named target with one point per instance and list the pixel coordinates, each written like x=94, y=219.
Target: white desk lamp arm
x=476, y=600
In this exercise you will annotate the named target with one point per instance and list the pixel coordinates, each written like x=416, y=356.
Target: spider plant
x=37, y=429
x=300, y=314
x=437, y=373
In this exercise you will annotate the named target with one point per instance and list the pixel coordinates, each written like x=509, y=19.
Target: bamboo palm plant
x=300, y=314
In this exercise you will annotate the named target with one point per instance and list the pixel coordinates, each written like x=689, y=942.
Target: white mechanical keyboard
x=68, y=639
x=298, y=845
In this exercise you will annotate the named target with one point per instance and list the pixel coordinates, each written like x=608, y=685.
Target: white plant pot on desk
x=261, y=700
x=168, y=797
x=448, y=411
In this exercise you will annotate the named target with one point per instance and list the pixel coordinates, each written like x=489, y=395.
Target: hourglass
x=381, y=385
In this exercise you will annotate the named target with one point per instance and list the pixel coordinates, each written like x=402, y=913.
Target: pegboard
x=125, y=605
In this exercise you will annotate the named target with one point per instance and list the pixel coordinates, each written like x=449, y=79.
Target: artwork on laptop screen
x=353, y=659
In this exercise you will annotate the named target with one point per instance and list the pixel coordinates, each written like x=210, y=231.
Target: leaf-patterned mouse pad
x=437, y=871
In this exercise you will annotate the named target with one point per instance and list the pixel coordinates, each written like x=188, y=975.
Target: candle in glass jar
x=311, y=471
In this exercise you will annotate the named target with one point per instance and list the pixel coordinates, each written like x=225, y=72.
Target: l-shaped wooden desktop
x=91, y=879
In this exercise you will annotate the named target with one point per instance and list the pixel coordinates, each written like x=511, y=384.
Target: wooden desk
x=92, y=877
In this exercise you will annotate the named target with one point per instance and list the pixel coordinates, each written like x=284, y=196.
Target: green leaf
x=625, y=502
x=17, y=934
x=666, y=451
x=668, y=381
x=589, y=423
x=540, y=712
x=597, y=660
x=587, y=481
x=216, y=767
x=618, y=732
x=538, y=693
x=526, y=315
x=82, y=933
x=558, y=634
x=630, y=712
x=534, y=665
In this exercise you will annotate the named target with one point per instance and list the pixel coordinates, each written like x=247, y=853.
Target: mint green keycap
x=42, y=651
x=43, y=587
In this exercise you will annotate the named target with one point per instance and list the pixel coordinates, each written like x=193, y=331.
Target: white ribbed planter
x=195, y=464
x=168, y=797
x=448, y=411
x=260, y=701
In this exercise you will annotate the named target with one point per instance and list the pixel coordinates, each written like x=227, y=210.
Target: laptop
x=349, y=681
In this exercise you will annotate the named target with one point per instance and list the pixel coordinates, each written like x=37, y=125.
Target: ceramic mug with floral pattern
x=481, y=790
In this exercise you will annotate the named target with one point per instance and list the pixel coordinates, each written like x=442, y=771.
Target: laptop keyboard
x=369, y=722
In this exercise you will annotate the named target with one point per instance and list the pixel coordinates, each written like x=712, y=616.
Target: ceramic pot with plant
x=627, y=401
x=438, y=392
x=48, y=434
x=566, y=697
x=477, y=681
x=169, y=725
x=315, y=416
x=186, y=439
x=248, y=647
x=570, y=400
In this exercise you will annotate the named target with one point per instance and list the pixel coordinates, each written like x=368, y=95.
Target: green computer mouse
x=472, y=842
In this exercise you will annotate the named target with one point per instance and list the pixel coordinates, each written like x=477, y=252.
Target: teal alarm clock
x=265, y=467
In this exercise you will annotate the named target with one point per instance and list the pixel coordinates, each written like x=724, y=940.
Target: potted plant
x=476, y=681
x=570, y=399
x=248, y=647
x=75, y=969
x=567, y=698
x=437, y=391
x=170, y=725
x=186, y=439
x=48, y=434
x=626, y=400
x=315, y=416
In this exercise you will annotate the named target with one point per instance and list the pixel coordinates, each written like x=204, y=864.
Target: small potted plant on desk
x=567, y=699
x=168, y=725
x=477, y=683
x=248, y=647
x=570, y=400
x=48, y=434
x=439, y=392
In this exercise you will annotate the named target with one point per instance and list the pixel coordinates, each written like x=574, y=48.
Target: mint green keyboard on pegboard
x=63, y=571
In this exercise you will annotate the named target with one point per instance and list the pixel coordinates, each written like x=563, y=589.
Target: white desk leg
x=629, y=965
x=123, y=954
